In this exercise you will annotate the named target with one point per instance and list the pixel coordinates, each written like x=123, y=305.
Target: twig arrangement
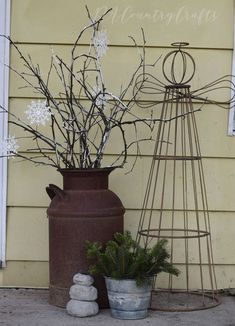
x=84, y=114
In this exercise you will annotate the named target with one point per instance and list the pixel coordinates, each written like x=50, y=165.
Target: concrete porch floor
x=27, y=307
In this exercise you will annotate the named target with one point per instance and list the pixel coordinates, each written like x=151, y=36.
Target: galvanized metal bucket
x=127, y=300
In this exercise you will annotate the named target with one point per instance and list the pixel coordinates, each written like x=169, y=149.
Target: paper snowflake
x=38, y=113
x=9, y=147
x=101, y=43
x=101, y=98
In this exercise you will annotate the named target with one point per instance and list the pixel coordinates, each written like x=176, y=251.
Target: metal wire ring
x=184, y=56
x=179, y=44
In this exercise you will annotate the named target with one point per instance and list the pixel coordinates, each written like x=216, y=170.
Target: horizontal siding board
x=222, y=230
x=31, y=243
x=27, y=234
x=40, y=178
x=35, y=274
x=114, y=145
x=219, y=174
x=224, y=275
x=121, y=63
x=205, y=23
x=211, y=122
x=26, y=274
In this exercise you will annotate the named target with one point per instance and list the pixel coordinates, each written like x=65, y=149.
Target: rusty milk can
x=84, y=210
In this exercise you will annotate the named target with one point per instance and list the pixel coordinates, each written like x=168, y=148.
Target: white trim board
x=4, y=85
x=231, y=118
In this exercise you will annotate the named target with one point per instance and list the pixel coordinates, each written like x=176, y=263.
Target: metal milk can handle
x=53, y=190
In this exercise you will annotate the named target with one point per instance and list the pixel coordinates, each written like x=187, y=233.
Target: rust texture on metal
x=176, y=158
x=169, y=233
x=175, y=204
x=84, y=210
x=182, y=301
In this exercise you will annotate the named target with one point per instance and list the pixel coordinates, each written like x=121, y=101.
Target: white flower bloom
x=101, y=43
x=9, y=146
x=38, y=113
x=101, y=98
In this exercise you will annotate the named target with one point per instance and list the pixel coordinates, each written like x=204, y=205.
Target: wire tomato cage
x=175, y=204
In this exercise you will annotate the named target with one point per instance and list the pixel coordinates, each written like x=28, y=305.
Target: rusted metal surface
x=181, y=301
x=84, y=210
x=167, y=233
x=175, y=205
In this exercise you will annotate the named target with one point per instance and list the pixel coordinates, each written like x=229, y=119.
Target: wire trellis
x=175, y=204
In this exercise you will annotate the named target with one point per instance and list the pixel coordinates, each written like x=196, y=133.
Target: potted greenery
x=129, y=270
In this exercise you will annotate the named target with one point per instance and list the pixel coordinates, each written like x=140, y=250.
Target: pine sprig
x=123, y=258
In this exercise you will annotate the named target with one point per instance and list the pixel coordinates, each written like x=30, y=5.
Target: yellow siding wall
x=41, y=25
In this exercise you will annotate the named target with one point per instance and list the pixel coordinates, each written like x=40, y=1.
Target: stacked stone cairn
x=83, y=296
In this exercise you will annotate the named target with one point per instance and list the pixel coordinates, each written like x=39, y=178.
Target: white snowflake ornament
x=100, y=43
x=9, y=147
x=38, y=112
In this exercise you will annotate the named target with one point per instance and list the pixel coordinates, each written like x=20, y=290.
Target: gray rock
x=83, y=279
x=83, y=292
x=82, y=308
